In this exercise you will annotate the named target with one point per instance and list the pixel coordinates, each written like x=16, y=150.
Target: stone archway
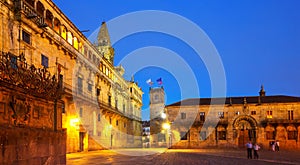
x=245, y=128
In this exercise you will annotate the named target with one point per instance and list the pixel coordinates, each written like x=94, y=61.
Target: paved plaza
x=180, y=157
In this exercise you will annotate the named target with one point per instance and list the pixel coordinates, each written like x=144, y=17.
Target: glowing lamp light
x=166, y=126
x=74, y=122
x=163, y=115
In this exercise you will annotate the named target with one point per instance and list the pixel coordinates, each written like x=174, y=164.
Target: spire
x=262, y=91
x=103, y=36
x=104, y=45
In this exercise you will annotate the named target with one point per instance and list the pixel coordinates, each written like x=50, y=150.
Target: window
x=117, y=122
x=44, y=61
x=183, y=116
x=98, y=92
x=124, y=125
x=222, y=135
x=202, y=135
x=13, y=61
x=270, y=135
x=124, y=107
x=269, y=114
x=221, y=115
x=253, y=112
x=99, y=117
x=183, y=135
x=237, y=113
x=109, y=100
x=79, y=85
x=80, y=112
x=202, y=116
x=90, y=87
x=60, y=81
x=63, y=110
x=116, y=103
x=109, y=120
x=26, y=37
x=292, y=135
x=291, y=115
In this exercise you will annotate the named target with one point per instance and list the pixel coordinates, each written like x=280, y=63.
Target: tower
x=157, y=102
x=157, y=105
x=104, y=45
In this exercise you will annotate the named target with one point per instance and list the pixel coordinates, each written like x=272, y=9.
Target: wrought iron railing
x=36, y=81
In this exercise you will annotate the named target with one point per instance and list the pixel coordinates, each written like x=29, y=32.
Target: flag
x=159, y=81
x=149, y=82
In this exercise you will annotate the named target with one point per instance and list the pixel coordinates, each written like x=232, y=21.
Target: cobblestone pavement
x=180, y=157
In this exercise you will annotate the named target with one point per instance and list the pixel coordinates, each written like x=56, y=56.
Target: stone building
x=157, y=117
x=99, y=106
x=233, y=121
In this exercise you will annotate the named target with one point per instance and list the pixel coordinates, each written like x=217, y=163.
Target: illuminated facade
x=99, y=107
x=260, y=119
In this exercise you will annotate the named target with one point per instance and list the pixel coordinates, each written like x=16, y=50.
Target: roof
x=238, y=100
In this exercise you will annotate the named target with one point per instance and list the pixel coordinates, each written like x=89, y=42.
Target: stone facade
x=233, y=121
x=98, y=106
x=30, y=114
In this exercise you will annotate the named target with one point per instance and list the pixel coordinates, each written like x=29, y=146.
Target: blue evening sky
x=257, y=40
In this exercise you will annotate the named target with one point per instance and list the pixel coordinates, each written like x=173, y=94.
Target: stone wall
x=32, y=146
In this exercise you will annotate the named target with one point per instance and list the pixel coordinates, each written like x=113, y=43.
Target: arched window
x=56, y=25
x=70, y=38
x=75, y=43
x=40, y=9
x=49, y=18
x=64, y=32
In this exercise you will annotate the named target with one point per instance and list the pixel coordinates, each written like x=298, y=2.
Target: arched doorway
x=245, y=130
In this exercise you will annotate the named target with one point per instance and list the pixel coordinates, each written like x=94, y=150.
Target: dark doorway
x=81, y=139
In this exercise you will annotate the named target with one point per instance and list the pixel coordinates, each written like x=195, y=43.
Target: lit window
x=269, y=114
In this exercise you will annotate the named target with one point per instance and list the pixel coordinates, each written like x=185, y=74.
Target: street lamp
x=163, y=115
x=166, y=126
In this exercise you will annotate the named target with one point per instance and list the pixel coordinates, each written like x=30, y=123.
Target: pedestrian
x=277, y=145
x=273, y=145
x=256, y=147
x=249, y=150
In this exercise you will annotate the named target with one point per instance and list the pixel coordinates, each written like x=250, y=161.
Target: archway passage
x=245, y=127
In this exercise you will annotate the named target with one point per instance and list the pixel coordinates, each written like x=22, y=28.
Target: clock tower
x=157, y=105
x=157, y=102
